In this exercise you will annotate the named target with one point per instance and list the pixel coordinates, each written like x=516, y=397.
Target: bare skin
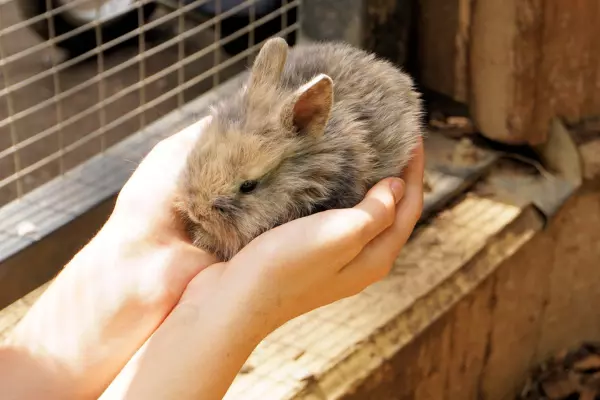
x=230, y=307
x=140, y=289
x=114, y=293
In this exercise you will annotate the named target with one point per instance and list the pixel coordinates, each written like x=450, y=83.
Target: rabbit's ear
x=308, y=110
x=268, y=65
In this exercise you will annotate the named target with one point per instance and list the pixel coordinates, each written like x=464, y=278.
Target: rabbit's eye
x=248, y=186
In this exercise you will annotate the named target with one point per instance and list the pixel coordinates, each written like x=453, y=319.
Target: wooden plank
x=387, y=29
x=443, y=48
x=454, y=342
x=433, y=356
x=380, y=26
x=516, y=314
x=517, y=64
x=535, y=303
x=572, y=311
x=433, y=261
x=491, y=38
x=531, y=61
x=471, y=326
x=327, y=352
x=476, y=299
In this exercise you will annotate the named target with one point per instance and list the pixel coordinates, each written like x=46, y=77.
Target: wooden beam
x=531, y=61
x=516, y=63
x=444, y=46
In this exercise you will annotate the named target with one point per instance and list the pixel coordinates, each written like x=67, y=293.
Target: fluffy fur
x=316, y=126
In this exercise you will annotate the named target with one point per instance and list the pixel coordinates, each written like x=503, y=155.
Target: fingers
x=329, y=240
x=412, y=204
x=377, y=258
x=409, y=210
x=376, y=212
x=348, y=231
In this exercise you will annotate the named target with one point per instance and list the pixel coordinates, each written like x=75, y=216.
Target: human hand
x=313, y=261
x=110, y=298
x=228, y=308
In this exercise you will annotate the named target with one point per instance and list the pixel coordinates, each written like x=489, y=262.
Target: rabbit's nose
x=222, y=204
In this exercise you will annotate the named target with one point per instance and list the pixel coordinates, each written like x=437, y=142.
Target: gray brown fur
x=316, y=126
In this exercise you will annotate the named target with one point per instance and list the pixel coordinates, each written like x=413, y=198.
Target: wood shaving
x=454, y=126
x=465, y=153
x=246, y=369
x=572, y=375
x=26, y=228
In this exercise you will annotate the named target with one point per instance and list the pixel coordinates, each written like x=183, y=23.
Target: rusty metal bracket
x=548, y=196
x=560, y=155
x=561, y=174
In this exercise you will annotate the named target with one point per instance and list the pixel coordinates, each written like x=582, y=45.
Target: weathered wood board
x=334, y=348
x=538, y=301
x=477, y=298
x=517, y=64
x=443, y=51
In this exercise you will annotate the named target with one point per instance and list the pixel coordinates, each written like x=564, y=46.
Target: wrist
x=23, y=376
x=231, y=303
x=199, y=332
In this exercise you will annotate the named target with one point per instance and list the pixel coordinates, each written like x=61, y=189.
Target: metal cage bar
x=28, y=153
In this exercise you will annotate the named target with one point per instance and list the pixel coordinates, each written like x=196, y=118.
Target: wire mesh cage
x=78, y=76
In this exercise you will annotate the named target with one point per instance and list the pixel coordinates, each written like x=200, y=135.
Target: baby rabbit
x=311, y=130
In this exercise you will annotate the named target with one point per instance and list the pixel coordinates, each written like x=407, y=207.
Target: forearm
x=195, y=354
x=76, y=337
x=23, y=377
x=46, y=346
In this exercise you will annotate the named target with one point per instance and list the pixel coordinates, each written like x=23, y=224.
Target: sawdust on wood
x=452, y=126
x=465, y=153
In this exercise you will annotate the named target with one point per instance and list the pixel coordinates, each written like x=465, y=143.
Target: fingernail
x=397, y=186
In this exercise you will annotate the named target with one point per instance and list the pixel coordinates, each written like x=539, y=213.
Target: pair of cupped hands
x=137, y=301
